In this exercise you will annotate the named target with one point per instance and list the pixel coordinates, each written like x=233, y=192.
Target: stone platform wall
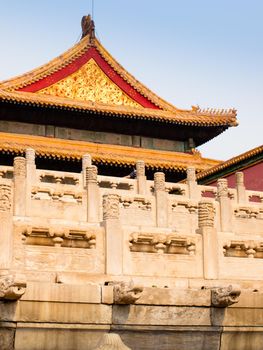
x=68, y=240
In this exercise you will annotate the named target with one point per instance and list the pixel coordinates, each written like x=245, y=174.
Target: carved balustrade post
x=86, y=162
x=141, y=178
x=161, y=200
x=92, y=194
x=225, y=205
x=6, y=242
x=206, y=224
x=30, y=176
x=20, y=197
x=241, y=189
x=113, y=234
x=194, y=192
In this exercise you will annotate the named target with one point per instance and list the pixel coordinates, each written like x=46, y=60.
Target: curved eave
x=101, y=153
x=192, y=118
x=244, y=157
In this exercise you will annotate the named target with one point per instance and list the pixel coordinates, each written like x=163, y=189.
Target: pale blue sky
x=205, y=52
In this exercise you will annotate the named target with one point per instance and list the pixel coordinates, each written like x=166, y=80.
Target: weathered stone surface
x=107, y=294
x=7, y=337
x=89, y=293
x=160, y=315
x=171, y=338
x=59, y=336
x=63, y=312
x=242, y=339
x=111, y=341
x=175, y=297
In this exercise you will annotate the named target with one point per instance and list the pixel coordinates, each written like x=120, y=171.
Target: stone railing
x=167, y=200
x=182, y=221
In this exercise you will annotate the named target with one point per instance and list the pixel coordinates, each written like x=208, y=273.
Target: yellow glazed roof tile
x=102, y=153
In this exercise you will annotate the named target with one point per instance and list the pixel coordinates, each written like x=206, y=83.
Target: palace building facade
x=103, y=246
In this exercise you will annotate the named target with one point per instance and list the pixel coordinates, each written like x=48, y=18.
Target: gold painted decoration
x=90, y=83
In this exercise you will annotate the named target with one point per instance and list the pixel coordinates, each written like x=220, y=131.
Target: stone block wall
x=67, y=240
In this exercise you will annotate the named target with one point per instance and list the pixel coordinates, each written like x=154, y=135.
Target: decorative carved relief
x=86, y=161
x=161, y=243
x=90, y=83
x=125, y=293
x=136, y=203
x=111, y=206
x=11, y=288
x=191, y=207
x=91, y=174
x=222, y=188
x=5, y=197
x=159, y=181
x=30, y=155
x=56, y=194
x=190, y=174
x=59, y=179
x=243, y=249
x=206, y=214
x=59, y=237
x=140, y=168
x=247, y=212
x=20, y=166
x=226, y=296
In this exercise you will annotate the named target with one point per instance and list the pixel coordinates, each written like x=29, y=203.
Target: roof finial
x=88, y=27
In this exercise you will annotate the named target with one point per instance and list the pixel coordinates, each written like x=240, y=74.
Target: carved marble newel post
x=30, y=176
x=6, y=224
x=20, y=197
x=141, y=178
x=161, y=200
x=241, y=190
x=225, y=205
x=194, y=192
x=86, y=162
x=113, y=234
x=92, y=194
x=206, y=218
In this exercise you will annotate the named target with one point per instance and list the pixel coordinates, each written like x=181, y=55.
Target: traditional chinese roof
x=106, y=154
x=87, y=78
x=232, y=165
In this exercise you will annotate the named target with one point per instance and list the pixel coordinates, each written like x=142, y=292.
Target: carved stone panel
x=162, y=243
x=19, y=166
x=222, y=188
x=111, y=206
x=159, y=181
x=91, y=174
x=5, y=197
x=206, y=214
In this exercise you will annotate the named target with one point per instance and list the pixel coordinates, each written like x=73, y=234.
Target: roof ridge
x=231, y=161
